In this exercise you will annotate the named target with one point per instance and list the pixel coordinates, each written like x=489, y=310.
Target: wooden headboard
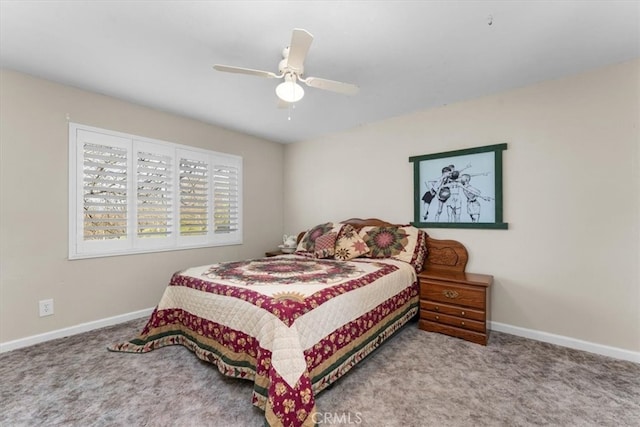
x=442, y=255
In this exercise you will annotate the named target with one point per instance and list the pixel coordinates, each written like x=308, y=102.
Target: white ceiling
x=405, y=55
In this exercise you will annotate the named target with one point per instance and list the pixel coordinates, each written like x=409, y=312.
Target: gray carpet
x=415, y=379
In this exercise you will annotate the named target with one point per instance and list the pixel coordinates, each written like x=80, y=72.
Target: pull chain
x=291, y=107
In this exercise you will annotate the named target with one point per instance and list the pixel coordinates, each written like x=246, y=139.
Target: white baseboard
x=604, y=350
x=73, y=330
x=574, y=343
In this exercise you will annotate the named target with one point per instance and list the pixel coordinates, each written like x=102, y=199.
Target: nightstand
x=455, y=303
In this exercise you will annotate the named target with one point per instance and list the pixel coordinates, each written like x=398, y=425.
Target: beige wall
x=568, y=264
x=34, y=207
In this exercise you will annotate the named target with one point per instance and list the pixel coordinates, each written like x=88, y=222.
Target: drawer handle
x=462, y=323
x=436, y=308
x=437, y=317
x=450, y=294
x=462, y=313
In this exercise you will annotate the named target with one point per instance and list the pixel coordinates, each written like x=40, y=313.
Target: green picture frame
x=459, y=189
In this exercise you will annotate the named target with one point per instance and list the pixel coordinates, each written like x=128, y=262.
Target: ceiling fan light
x=289, y=91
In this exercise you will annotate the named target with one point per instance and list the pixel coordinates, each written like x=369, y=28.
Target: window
x=130, y=194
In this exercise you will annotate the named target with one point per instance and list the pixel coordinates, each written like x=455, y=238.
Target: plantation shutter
x=103, y=209
x=130, y=194
x=155, y=193
x=227, y=198
x=194, y=176
x=105, y=192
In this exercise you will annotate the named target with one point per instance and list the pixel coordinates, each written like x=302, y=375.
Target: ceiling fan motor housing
x=285, y=68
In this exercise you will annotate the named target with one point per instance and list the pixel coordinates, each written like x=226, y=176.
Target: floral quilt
x=291, y=324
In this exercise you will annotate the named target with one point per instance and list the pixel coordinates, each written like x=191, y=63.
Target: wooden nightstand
x=455, y=303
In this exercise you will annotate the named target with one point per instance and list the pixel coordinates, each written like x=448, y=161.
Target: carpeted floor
x=415, y=379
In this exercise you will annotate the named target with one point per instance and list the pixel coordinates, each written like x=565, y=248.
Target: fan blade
x=300, y=44
x=333, y=86
x=239, y=70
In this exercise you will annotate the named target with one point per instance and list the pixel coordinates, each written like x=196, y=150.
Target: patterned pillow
x=416, y=250
x=404, y=243
x=326, y=245
x=308, y=241
x=349, y=244
x=420, y=252
x=384, y=242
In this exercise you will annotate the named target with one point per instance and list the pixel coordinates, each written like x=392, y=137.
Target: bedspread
x=292, y=324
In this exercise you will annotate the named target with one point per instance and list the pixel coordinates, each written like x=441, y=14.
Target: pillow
x=308, y=241
x=419, y=252
x=326, y=245
x=349, y=244
x=404, y=243
x=384, y=242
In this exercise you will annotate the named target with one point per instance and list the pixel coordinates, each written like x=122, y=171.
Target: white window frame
x=80, y=248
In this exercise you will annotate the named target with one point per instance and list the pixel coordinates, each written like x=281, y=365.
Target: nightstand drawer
x=465, y=334
x=453, y=310
x=457, y=294
x=472, y=325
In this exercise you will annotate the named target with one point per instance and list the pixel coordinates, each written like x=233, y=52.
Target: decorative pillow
x=308, y=241
x=384, y=242
x=420, y=251
x=404, y=243
x=326, y=245
x=349, y=244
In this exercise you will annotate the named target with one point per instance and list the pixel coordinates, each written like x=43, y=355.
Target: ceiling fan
x=291, y=70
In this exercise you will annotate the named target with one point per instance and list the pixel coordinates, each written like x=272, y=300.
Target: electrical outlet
x=46, y=307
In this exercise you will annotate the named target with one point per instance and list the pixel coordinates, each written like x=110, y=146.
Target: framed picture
x=459, y=189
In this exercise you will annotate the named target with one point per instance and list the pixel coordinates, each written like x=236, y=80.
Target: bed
x=295, y=323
